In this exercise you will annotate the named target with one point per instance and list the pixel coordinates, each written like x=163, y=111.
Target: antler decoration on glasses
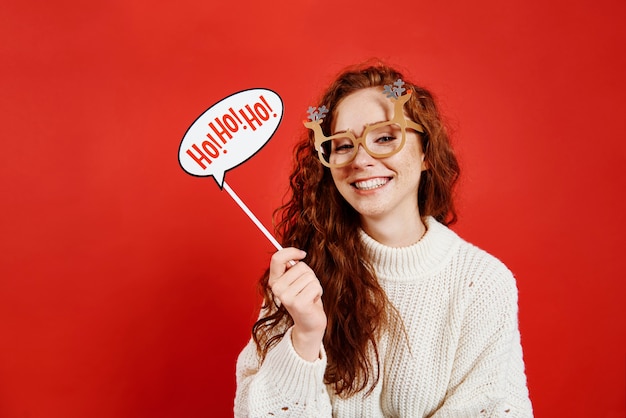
x=317, y=113
x=396, y=91
x=392, y=91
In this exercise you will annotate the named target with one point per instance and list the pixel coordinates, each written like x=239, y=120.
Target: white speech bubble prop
x=228, y=134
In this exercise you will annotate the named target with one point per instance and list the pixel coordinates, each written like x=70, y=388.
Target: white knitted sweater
x=463, y=357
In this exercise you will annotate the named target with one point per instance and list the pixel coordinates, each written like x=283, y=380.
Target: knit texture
x=459, y=354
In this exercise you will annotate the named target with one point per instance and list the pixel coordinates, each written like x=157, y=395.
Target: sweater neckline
x=413, y=261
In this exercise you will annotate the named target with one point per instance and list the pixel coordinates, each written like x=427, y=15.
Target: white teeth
x=371, y=184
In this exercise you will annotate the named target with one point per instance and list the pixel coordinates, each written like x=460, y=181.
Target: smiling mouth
x=371, y=184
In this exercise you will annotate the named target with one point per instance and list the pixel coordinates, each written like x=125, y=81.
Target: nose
x=362, y=158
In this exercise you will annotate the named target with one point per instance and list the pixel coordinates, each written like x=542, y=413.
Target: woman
x=376, y=308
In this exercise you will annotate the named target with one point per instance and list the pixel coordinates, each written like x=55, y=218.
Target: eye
x=385, y=135
x=342, y=146
x=385, y=139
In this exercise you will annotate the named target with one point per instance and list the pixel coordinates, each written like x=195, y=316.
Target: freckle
x=471, y=284
x=284, y=408
x=507, y=410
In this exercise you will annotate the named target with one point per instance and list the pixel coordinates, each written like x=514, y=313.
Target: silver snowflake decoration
x=395, y=91
x=317, y=113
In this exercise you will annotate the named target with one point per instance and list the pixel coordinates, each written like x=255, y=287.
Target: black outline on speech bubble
x=212, y=106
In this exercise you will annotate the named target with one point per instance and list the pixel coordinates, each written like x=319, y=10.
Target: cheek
x=337, y=174
x=408, y=160
x=415, y=157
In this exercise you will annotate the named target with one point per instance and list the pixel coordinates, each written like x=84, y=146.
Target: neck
x=394, y=232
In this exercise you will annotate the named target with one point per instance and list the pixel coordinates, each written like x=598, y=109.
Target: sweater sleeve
x=283, y=385
x=487, y=377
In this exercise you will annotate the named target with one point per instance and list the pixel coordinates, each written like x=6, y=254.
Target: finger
x=305, y=289
x=287, y=254
x=311, y=293
x=280, y=261
x=291, y=285
x=279, y=285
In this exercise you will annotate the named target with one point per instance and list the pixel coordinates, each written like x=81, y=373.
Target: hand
x=300, y=292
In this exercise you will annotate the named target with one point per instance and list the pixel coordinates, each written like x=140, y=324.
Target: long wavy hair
x=317, y=219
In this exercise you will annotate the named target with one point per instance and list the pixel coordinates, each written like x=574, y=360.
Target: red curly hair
x=317, y=219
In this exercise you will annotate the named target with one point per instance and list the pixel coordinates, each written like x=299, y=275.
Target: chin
x=370, y=212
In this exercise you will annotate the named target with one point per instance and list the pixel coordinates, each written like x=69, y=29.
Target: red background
x=127, y=287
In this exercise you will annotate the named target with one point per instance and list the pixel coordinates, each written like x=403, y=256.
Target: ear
x=425, y=164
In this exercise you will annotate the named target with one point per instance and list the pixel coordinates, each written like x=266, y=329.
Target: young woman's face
x=377, y=188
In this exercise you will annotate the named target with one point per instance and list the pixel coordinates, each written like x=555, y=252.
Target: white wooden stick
x=251, y=216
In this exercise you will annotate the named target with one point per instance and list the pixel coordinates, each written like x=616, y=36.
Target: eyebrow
x=364, y=127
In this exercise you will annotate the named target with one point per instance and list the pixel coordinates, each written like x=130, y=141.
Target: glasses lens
x=338, y=151
x=380, y=140
x=384, y=140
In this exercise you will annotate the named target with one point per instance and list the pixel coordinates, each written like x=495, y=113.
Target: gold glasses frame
x=398, y=118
